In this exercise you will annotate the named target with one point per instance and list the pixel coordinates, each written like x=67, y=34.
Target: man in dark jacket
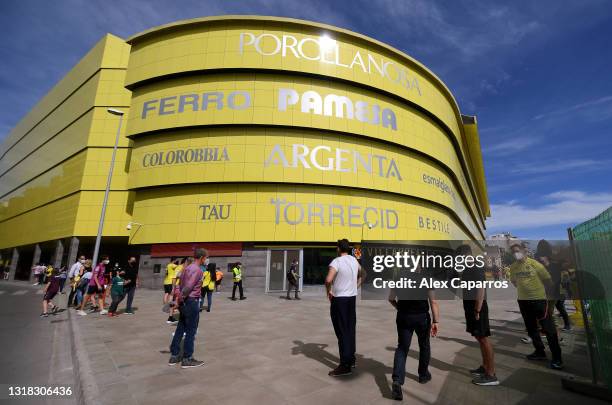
x=131, y=280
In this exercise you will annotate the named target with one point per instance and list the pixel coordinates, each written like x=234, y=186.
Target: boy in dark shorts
x=51, y=290
x=477, y=321
x=117, y=293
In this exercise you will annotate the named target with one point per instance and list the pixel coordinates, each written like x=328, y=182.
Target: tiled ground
x=267, y=350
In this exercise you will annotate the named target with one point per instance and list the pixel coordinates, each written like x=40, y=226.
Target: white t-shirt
x=74, y=270
x=345, y=283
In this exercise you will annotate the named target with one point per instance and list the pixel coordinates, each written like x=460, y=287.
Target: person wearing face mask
x=76, y=270
x=531, y=281
x=96, y=288
x=187, y=301
x=131, y=280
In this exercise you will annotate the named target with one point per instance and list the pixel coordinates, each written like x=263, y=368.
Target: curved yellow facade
x=259, y=131
x=247, y=115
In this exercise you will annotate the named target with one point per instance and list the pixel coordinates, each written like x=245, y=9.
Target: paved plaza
x=267, y=350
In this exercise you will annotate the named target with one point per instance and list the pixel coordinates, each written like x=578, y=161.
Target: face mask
x=519, y=256
x=206, y=262
x=82, y=261
x=105, y=262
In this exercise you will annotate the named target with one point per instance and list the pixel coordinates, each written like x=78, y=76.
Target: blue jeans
x=407, y=325
x=188, y=324
x=206, y=292
x=79, y=296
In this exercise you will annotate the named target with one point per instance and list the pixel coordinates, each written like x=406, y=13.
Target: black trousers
x=344, y=319
x=560, y=305
x=239, y=285
x=116, y=300
x=129, y=291
x=72, y=296
x=292, y=285
x=407, y=324
x=534, y=312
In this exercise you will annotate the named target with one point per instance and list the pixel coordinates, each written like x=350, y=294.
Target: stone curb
x=86, y=389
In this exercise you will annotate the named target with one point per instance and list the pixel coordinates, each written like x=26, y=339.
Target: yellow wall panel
x=285, y=214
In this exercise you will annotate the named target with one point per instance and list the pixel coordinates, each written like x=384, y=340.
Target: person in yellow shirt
x=208, y=285
x=531, y=280
x=169, y=282
x=169, y=279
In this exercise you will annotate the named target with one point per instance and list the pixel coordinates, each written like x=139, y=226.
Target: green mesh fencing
x=596, y=259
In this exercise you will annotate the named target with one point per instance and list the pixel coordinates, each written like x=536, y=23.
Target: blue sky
x=537, y=74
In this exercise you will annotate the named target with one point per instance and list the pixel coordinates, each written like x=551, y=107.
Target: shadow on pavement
x=316, y=351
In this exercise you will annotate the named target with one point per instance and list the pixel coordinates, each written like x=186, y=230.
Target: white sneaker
x=81, y=312
x=103, y=312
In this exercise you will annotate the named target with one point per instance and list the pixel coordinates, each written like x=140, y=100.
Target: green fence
x=596, y=259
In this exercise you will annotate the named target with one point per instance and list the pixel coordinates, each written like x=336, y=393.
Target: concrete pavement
x=269, y=350
x=35, y=351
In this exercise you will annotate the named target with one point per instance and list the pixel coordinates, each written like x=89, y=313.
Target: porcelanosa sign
x=327, y=50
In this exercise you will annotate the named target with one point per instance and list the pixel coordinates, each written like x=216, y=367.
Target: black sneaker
x=396, y=391
x=478, y=371
x=340, y=371
x=536, y=356
x=129, y=313
x=288, y=298
x=556, y=365
x=242, y=298
x=485, y=380
x=174, y=360
x=425, y=378
x=44, y=315
x=191, y=363
x=298, y=298
x=234, y=298
x=170, y=320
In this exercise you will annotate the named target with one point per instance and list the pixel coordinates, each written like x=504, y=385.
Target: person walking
x=531, y=281
x=555, y=296
x=293, y=279
x=117, y=292
x=343, y=279
x=476, y=312
x=169, y=279
x=237, y=278
x=76, y=270
x=218, y=280
x=413, y=317
x=38, y=273
x=83, y=284
x=208, y=285
x=63, y=275
x=187, y=302
x=51, y=289
x=131, y=282
x=96, y=288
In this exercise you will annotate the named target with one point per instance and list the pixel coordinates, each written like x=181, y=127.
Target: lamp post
x=94, y=260
x=369, y=225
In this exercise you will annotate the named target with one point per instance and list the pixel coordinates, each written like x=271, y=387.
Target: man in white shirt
x=74, y=271
x=342, y=281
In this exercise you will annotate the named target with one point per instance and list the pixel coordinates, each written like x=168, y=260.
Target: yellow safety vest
x=237, y=274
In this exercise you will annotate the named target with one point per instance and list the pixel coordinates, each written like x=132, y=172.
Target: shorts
x=476, y=327
x=168, y=288
x=93, y=289
x=49, y=295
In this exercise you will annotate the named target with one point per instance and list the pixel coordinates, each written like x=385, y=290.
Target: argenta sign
x=327, y=50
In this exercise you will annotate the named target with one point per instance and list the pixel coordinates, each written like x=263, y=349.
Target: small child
x=117, y=293
x=51, y=290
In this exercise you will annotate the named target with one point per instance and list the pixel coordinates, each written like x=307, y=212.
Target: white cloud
x=561, y=166
x=579, y=107
x=562, y=208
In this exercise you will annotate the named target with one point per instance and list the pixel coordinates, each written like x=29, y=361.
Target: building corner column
x=13, y=265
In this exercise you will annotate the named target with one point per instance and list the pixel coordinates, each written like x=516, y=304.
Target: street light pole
x=94, y=260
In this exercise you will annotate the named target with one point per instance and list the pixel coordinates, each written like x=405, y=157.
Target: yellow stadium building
x=263, y=139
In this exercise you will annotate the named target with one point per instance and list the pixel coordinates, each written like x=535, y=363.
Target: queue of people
x=190, y=283
x=89, y=286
